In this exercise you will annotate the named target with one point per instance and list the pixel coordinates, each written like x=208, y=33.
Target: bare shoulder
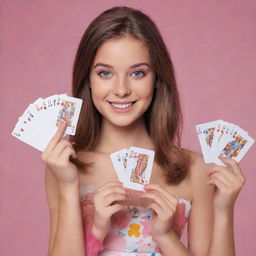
x=197, y=165
x=198, y=173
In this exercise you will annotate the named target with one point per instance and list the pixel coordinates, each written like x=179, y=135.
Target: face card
x=205, y=134
x=139, y=168
x=235, y=145
x=37, y=125
x=119, y=160
x=69, y=111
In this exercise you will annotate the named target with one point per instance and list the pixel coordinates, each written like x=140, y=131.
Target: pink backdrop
x=213, y=47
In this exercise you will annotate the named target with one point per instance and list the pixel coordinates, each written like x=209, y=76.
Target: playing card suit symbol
x=62, y=104
x=22, y=129
x=44, y=107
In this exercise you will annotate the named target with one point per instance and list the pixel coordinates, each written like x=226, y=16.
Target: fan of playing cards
x=222, y=139
x=40, y=120
x=133, y=166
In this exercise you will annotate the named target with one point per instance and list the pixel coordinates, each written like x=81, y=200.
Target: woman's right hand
x=56, y=157
x=105, y=204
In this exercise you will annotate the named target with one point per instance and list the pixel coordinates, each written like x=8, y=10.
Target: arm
x=201, y=216
x=66, y=227
x=62, y=186
x=228, y=181
x=217, y=206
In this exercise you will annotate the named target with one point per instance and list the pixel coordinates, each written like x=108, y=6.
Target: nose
x=122, y=87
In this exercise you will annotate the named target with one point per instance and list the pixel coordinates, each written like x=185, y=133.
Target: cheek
x=146, y=89
x=97, y=93
x=99, y=89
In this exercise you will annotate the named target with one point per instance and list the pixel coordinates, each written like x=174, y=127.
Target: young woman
x=124, y=74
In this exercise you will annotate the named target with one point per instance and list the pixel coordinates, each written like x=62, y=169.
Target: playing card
x=119, y=160
x=70, y=109
x=39, y=122
x=220, y=138
x=234, y=145
x=139, y=168
x=205, y=134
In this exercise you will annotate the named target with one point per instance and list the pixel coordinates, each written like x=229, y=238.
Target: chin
x=124, y=123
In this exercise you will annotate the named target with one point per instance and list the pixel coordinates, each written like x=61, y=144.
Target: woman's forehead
x=125, y=51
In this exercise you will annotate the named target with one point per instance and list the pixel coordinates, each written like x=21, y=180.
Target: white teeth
x=121, y=105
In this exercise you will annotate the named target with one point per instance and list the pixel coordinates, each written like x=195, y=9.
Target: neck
x=114, y=138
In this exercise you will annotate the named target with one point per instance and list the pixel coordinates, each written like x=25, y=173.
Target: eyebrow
x=133, y=66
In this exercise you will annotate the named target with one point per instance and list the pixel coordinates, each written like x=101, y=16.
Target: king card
x=139, y=168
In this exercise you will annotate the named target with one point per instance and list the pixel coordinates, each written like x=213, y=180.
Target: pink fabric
x=93, y=244
x=115, y=243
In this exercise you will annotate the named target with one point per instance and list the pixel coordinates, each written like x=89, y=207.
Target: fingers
x=116, y=208
x=234, y=175
x=229, y=182
x=110, y=184
x=165, y=203
x=107, y=194
x=233, y=165
x=61, y=146
x=66, y=153
x=168, y=196
x=55, y=139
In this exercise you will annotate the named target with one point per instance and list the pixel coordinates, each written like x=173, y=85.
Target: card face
x=119, y=160
x=139, y=167
x=205, y=134
x=133, y=166
x=225, y=140
x=235, y=145
x=69, y=111
x=37, y=125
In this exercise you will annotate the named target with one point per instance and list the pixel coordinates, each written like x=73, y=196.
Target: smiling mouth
x=122, y=105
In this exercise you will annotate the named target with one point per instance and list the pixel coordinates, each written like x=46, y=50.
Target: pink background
x=213, y=47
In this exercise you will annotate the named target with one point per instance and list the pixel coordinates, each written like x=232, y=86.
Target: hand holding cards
x=222, y=139
x=133, y=166
x=40, y=120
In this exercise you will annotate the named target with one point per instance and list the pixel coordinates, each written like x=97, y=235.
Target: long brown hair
x=163, y=119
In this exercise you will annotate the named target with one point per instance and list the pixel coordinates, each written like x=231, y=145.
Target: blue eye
x=104, y=74
x=138, y=73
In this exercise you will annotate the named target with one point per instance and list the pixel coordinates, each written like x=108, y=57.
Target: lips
x=122, y=105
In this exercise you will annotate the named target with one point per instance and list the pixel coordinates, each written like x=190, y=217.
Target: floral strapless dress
x=130, y=229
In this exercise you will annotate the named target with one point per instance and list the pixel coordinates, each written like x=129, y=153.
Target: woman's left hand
x=228, y=181
x=164, y=205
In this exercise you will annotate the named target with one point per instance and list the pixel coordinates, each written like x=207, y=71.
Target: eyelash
x=103, y=71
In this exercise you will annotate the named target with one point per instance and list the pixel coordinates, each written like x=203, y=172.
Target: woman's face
x=122, y=80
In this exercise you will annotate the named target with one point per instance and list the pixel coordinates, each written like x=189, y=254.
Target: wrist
x=224, y=212
x=223, y=217
x=163, y=237
x=67, y=190
x=99, y=233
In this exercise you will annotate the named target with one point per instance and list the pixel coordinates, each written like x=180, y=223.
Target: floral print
x=130, y=229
